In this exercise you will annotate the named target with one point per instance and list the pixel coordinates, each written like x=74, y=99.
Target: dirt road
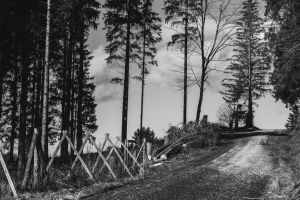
x=242, y=169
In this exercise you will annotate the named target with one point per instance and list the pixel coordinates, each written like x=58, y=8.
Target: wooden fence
x=129, y=158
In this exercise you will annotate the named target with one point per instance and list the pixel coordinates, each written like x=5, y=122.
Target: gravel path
x=234, y=171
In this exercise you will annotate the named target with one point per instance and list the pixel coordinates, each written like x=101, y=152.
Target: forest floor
x=245, y=168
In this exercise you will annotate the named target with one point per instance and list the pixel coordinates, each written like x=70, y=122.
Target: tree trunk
x=143, y=79
x=200, y=97
x=46, y=87
x=1, y=92
x=249, y=115
x=24, y=13
x=297, y=13
x=126, y=78
x=23, y=117
x=185, y=64
x=39, y=156
x=72, y=108
x=29, y=160
x=202, y=81
x=14, y=96
x=64, y=146
x=32, y=106
x=67, y=91
x=230, y=124
x=80, y=77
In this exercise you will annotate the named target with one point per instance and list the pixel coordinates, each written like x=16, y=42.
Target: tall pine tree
x=250, y=65
x=179, y=16
x=150, y=35
x=122, y=19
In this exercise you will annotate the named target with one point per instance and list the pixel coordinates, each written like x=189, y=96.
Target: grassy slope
x=286, y=149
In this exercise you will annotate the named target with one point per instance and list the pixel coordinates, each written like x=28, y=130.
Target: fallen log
x=167, y=148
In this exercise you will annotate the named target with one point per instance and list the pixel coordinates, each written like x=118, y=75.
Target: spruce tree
x=250, y=64
x=293, y=118
x=122, y=20
x=150, y=35
x=178, y=14
x=283, y=35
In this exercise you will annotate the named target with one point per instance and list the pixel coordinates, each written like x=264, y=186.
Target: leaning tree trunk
x=203, y=75
x=126, y=77
x=202, y=82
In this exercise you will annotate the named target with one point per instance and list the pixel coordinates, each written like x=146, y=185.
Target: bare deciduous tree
x=219, y=15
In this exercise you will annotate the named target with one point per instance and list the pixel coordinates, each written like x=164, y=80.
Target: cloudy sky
x=163, y=99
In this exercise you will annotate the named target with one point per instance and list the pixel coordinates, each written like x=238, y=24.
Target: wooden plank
x=79, y=157
x=104, y=160
x=120, y=158
x=134, y=159
x=80, y=150
x=10, y=182
x=56, y=150
x=98, y=157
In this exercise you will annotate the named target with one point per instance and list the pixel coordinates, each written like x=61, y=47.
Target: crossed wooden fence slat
x=100, y=155
x=8, y=177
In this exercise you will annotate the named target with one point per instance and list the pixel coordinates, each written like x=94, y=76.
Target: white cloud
x=105, y=90
x=163, y=75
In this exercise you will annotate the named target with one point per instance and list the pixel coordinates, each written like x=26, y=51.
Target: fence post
x=35, y=168
x=149, y=147
x=145, y=158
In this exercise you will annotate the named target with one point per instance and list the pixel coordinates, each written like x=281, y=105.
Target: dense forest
x=46, y=86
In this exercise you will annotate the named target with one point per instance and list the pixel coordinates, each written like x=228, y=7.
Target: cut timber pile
x=164, y=150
